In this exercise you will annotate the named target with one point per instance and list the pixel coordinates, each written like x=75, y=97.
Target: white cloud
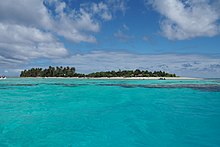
x=118, y=5
x=102, y=10
x=200, y=65
x=30, y=29
x=25, y=12
x=19, y=43
x=188, y=19
x=79, y=25
x=76, y=25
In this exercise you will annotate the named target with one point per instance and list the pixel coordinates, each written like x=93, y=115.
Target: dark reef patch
x=11, y=85
x=4, y=88
x=66, y=84
x=202, y=87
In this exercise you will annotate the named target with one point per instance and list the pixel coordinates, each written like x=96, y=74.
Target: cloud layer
x=181, y=64
x=185, y=19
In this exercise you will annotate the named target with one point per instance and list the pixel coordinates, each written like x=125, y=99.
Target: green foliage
x=70, y=72
x=49, y=72
x=131, y=73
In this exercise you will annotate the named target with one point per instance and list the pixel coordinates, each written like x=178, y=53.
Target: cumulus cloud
x=25, y=12
x=185, y=19
x=181, y=64
x=30, y=29
x=74, y=24
x=78, y=25
x=19, y=44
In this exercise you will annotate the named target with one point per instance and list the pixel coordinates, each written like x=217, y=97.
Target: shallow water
x=125, y=113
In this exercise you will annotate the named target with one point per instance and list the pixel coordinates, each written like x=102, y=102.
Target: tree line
x=131, y=73
x=49, y=72
x=70, y=72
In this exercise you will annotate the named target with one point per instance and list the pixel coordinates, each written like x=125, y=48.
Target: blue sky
x=178, y=36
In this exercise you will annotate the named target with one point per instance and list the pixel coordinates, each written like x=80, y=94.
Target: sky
x=176, y=36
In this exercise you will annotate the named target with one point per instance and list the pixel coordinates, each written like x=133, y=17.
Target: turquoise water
x=109, y=113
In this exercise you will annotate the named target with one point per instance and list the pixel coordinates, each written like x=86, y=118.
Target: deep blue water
x=109, y=113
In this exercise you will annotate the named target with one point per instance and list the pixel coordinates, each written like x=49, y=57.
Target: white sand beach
x=129, y=78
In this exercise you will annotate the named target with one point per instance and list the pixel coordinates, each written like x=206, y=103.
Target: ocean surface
x=109, y=113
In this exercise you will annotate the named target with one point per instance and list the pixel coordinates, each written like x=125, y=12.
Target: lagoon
x=99, y=112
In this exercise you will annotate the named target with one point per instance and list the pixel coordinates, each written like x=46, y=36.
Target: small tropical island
x=71, y=72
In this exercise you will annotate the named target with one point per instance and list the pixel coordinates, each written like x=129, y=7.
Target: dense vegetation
x=131, y=73
x=49, y=72
x=70, y=72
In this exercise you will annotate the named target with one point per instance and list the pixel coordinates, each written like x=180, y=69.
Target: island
x=71, y=72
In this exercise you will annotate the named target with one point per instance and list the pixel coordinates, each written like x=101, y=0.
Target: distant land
x=70, y=72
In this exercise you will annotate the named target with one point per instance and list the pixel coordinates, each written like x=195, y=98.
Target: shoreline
x=121, y=78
